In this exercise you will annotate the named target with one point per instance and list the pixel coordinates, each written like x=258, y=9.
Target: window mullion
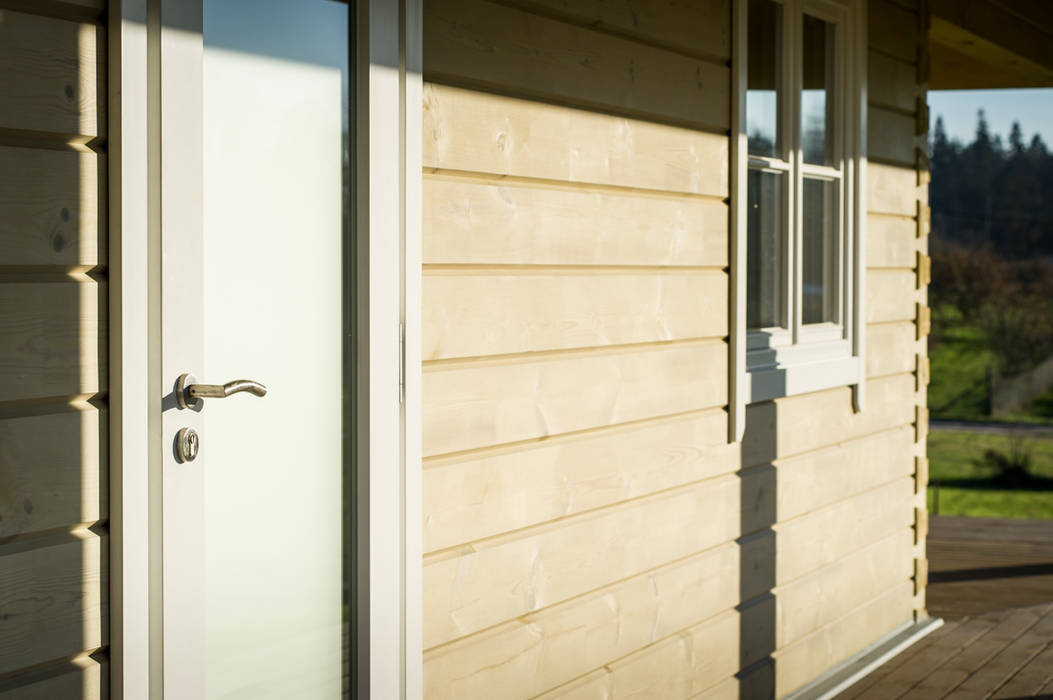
x=794, y=251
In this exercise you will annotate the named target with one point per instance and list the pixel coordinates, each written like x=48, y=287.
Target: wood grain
x=474, y=131
x=890, y=137
x=53, y=600
x=498, y=580
x=892, y=189
x=52, y=339
x=495, y=47
x=473, y=405
x=51, y=207
x=892, y=30
x=53, y=471
x=493, y=312
x=891, y=241
x=892, y=295
x=891, y=82
x=801, y=662
x=483, y=494
x=51, y=75
x=507, y=222
x=84, y=677
x=695, y=28
x=542, y=650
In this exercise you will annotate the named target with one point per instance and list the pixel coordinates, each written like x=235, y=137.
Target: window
x=800, y=161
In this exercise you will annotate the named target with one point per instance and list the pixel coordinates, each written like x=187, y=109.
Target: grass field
x=969, y=482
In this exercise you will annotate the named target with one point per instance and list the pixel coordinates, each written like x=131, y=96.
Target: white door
x=255, y=227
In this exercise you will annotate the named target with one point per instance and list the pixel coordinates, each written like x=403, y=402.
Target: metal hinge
x=402, y=363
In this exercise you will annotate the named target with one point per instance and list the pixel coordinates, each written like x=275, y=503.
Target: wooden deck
x=992, y=580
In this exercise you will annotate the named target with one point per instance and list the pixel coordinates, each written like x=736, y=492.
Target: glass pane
x=765, y=250
x=817, y=98
x=276, y=77
x=821, y=252
x=765, y=72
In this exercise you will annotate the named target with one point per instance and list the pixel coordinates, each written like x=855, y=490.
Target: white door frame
x=387, y=105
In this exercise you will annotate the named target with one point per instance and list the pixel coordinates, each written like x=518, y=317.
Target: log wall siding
x=53, y=350
x=588, y=532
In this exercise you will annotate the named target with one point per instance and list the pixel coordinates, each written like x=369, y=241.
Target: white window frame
x=774, y=362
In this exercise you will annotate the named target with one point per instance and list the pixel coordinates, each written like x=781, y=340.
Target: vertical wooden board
x=891, y=295
x=52, y=204
x=569, y=640
x=480, y=313
x=892, y=189
x=484, y=494
x=798, y=424
x=502, y=579
x=832, y=533
x=891, y=348
x=475, y=405
x=699, y=27
x=891, y=241
x=85, y=678
x=479, y=132
x=52, y=339
x=801, y=662
x=814, y=480
x=53, y=471
x=893, y=30
x=53, y=600
x=51, y=75
x=476, y=43
x=828, y=594
x=527, y=223
x=890, y=137
x=891, y=82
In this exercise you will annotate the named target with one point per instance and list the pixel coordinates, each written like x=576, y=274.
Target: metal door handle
x=189, y=394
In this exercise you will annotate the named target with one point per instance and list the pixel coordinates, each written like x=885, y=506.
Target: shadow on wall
x=53, y=353
x=757, y=617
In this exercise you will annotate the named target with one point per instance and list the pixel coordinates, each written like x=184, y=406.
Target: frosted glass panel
x=275, y=143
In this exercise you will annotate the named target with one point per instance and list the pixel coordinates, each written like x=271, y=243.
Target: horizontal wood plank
x=543, y=650
x=891, y=348
x=52, y=74
x=490, y=221
x=696, y=28
x=482, y=312
x=801, y=662
x=496, y=47
x=502, y=579
x=797, y=424
x=52, y=339
x=892, y=241
x=823, y=597
x=830, y=534
x=892, y=189
x=815, y=480
x=892, y=295
x=53, y=601
x=51, y=207
x=479, y=132
x=84, y=677
x=893, y=30
x=891, y=82
x=53, y=471
x=890, y=137
x=481, y=495
x=474, y=405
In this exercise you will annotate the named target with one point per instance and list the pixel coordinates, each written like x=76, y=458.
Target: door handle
x=189, y=393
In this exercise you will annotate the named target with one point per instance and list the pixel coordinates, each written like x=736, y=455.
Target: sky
x=1033, y=108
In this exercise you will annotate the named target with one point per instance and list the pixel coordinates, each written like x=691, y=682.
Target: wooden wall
x=587, y=531
x=53, y=354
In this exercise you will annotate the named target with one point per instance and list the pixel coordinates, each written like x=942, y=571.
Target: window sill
x=772, y=382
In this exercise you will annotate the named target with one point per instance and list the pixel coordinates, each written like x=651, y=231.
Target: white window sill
x=774, y=381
